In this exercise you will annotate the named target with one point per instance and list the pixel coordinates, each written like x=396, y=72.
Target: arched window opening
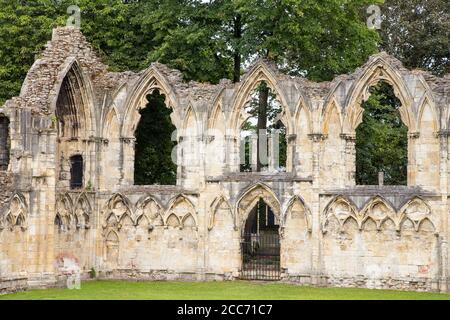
x=263, y=133
x=67, y=106
x=381, y=140
x=76, y=172
x=4, y=143
x=154, y=145
x=260, y=244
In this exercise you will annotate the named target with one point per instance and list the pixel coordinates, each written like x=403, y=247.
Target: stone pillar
x=254, y=152
x=317, y=272
x=127, y=160
x=232, y=153
x=349, y=158
x=317, y=139
x=273, y=153
x=443, y=173
x=291, y=157
x=412, y=168
x=202, y=227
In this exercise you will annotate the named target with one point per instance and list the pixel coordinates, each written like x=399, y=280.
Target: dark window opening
x=76, y=172
x=154, y=145
x=4, y=143
x=381, y=139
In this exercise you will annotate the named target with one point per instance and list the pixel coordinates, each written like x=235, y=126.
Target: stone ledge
x=259, y=176
x=371, y=190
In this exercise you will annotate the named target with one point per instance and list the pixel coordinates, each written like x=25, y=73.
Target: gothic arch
x=216, y=120
x=427, y=104
x=375, y=71
x=303, y=111
x=416, y=210
x=142, y=211
x=65, y=208
x=249, y=198
x=331, y=110
x=215, y=205
x=377, y=209
x=341, y=209
x=151, y=80
x=83, y=210
x=189, y=221
x=74, y=89
x=112, y=118
x=259, y=73
x=181, y=206
x=191, y=123
x=17, y=213
x=118, y=205
x=173, y=221
x=308, y=216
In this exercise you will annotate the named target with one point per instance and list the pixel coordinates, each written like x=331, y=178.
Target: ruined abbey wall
x=332, y=232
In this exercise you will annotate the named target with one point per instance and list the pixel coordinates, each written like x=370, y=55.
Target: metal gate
x=260, y=256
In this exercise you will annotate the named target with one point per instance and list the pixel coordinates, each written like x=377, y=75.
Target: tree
x=381, y=139
x=153, y=150
x=317, y=40
x=189, y=34
x=418, y=33
x=26, y=26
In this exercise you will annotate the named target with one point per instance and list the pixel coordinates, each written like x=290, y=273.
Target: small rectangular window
x=76, y=172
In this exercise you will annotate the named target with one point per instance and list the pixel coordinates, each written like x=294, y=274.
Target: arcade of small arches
x=69, y=202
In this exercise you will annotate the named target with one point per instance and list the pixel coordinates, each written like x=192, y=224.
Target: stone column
x=127, y=160
x=443, y=173
x=349, y=157
x=412, y=168
x=292, y=158
x=254, y=151
x=232, y=153
x=317, y=139
x=317, y=273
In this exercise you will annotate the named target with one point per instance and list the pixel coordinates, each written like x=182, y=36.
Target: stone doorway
x=260, y=245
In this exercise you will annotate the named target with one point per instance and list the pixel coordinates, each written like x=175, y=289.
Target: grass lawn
x=238, y=290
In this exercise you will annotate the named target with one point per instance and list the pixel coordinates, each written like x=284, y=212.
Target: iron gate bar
x=260, y=256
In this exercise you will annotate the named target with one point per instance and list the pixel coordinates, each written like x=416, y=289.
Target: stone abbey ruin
x=68, y=203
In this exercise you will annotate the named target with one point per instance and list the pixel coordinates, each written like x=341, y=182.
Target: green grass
x=238, y=290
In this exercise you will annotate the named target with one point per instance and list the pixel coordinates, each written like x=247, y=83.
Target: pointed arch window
x=263, y=133
x=154, y=144
x=381, y=139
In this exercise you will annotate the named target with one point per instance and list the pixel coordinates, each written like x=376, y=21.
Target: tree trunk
x=262, y=125
x=237, y=54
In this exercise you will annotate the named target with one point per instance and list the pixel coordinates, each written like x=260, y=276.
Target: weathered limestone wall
x=379, y=245
x=331, y=231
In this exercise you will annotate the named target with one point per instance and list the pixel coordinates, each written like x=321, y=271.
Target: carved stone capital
x=414, y=135
x=349, y=137
x=317, y=137
x=291, y=138
x=442, y=134
x=128, y=140
x=210, y=138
